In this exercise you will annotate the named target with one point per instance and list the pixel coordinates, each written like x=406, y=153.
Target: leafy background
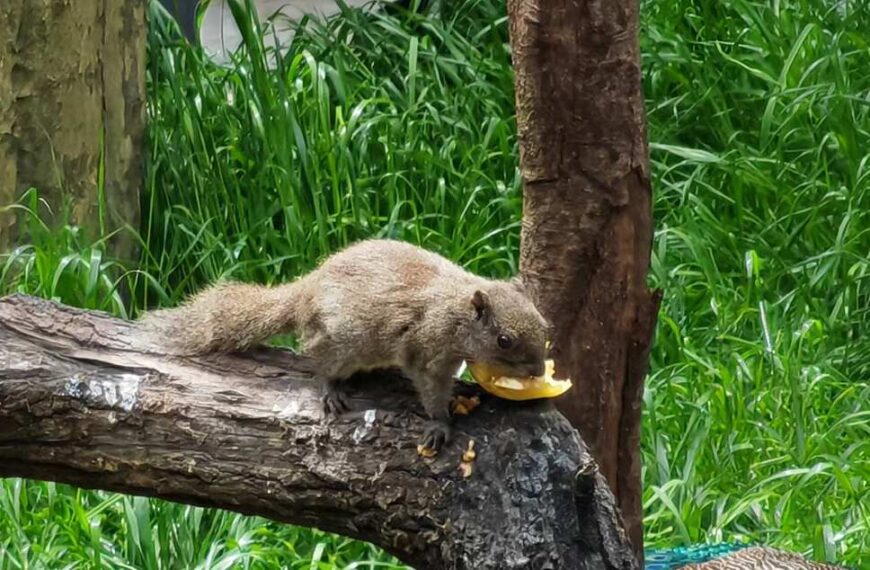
x=756, y=418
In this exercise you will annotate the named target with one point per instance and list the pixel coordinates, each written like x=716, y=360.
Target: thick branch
x=83, y=400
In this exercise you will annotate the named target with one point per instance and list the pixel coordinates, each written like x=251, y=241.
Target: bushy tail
x=226, y=317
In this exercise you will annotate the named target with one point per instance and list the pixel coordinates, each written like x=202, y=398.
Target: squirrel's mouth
x=503, y=385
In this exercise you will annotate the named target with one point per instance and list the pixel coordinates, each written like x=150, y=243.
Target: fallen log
x=86, y=400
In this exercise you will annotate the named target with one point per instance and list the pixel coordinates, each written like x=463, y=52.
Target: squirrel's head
x=507, y=329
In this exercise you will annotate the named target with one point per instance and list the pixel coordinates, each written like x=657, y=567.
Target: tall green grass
x=259, y=172
x=757, y=423
x=758, y=403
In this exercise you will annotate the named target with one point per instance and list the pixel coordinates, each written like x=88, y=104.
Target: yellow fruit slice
x=497, y=382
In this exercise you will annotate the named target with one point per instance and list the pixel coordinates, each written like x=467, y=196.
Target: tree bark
x=85, y=400
x=587, y=226
x=72, y=85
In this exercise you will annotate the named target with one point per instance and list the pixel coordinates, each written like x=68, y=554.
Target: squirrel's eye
x=504, y=341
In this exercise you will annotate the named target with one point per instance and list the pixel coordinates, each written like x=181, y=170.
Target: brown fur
x=376, y=304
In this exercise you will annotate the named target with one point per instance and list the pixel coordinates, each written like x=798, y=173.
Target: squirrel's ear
x=480, y=302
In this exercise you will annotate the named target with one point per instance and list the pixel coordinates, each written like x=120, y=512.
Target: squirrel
x=376, y=304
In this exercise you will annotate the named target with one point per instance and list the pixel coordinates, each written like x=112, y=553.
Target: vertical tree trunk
x=72, y=84
x=587, y=227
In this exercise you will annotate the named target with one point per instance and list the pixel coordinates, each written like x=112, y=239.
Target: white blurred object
x=219, y=35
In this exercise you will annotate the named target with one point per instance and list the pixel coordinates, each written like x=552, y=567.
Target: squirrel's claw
x=436, y=435
x=334, y=400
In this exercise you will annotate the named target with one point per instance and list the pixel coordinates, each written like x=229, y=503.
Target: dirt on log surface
x=85, y=401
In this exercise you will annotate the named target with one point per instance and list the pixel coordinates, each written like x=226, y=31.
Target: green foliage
x=757, y=416
x=257, y=173
x=757, y=425
x=57, y=264
x=45, y=525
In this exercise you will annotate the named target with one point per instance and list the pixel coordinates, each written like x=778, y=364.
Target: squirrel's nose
x=537, y=369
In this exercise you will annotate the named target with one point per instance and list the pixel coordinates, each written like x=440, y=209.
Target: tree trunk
x=72, y=84
x=587, y=227
x=85, y=400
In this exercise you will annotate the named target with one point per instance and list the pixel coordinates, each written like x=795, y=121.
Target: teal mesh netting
x=672, y=558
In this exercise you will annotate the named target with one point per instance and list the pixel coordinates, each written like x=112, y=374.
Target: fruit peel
x=499, y=383
x=468, y=456
x=462, y=406
x=426, y=452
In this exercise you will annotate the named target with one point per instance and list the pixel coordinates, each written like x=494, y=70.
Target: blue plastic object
x=672, y=558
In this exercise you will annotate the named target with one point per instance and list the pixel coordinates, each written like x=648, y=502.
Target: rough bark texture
x=72, y=84
x=84, y=401
x=587, y=226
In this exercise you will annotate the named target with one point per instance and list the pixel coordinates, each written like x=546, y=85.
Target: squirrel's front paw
x=334, y=400
x=435, y=436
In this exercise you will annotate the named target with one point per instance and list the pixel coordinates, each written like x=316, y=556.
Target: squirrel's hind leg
x=332, y=371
